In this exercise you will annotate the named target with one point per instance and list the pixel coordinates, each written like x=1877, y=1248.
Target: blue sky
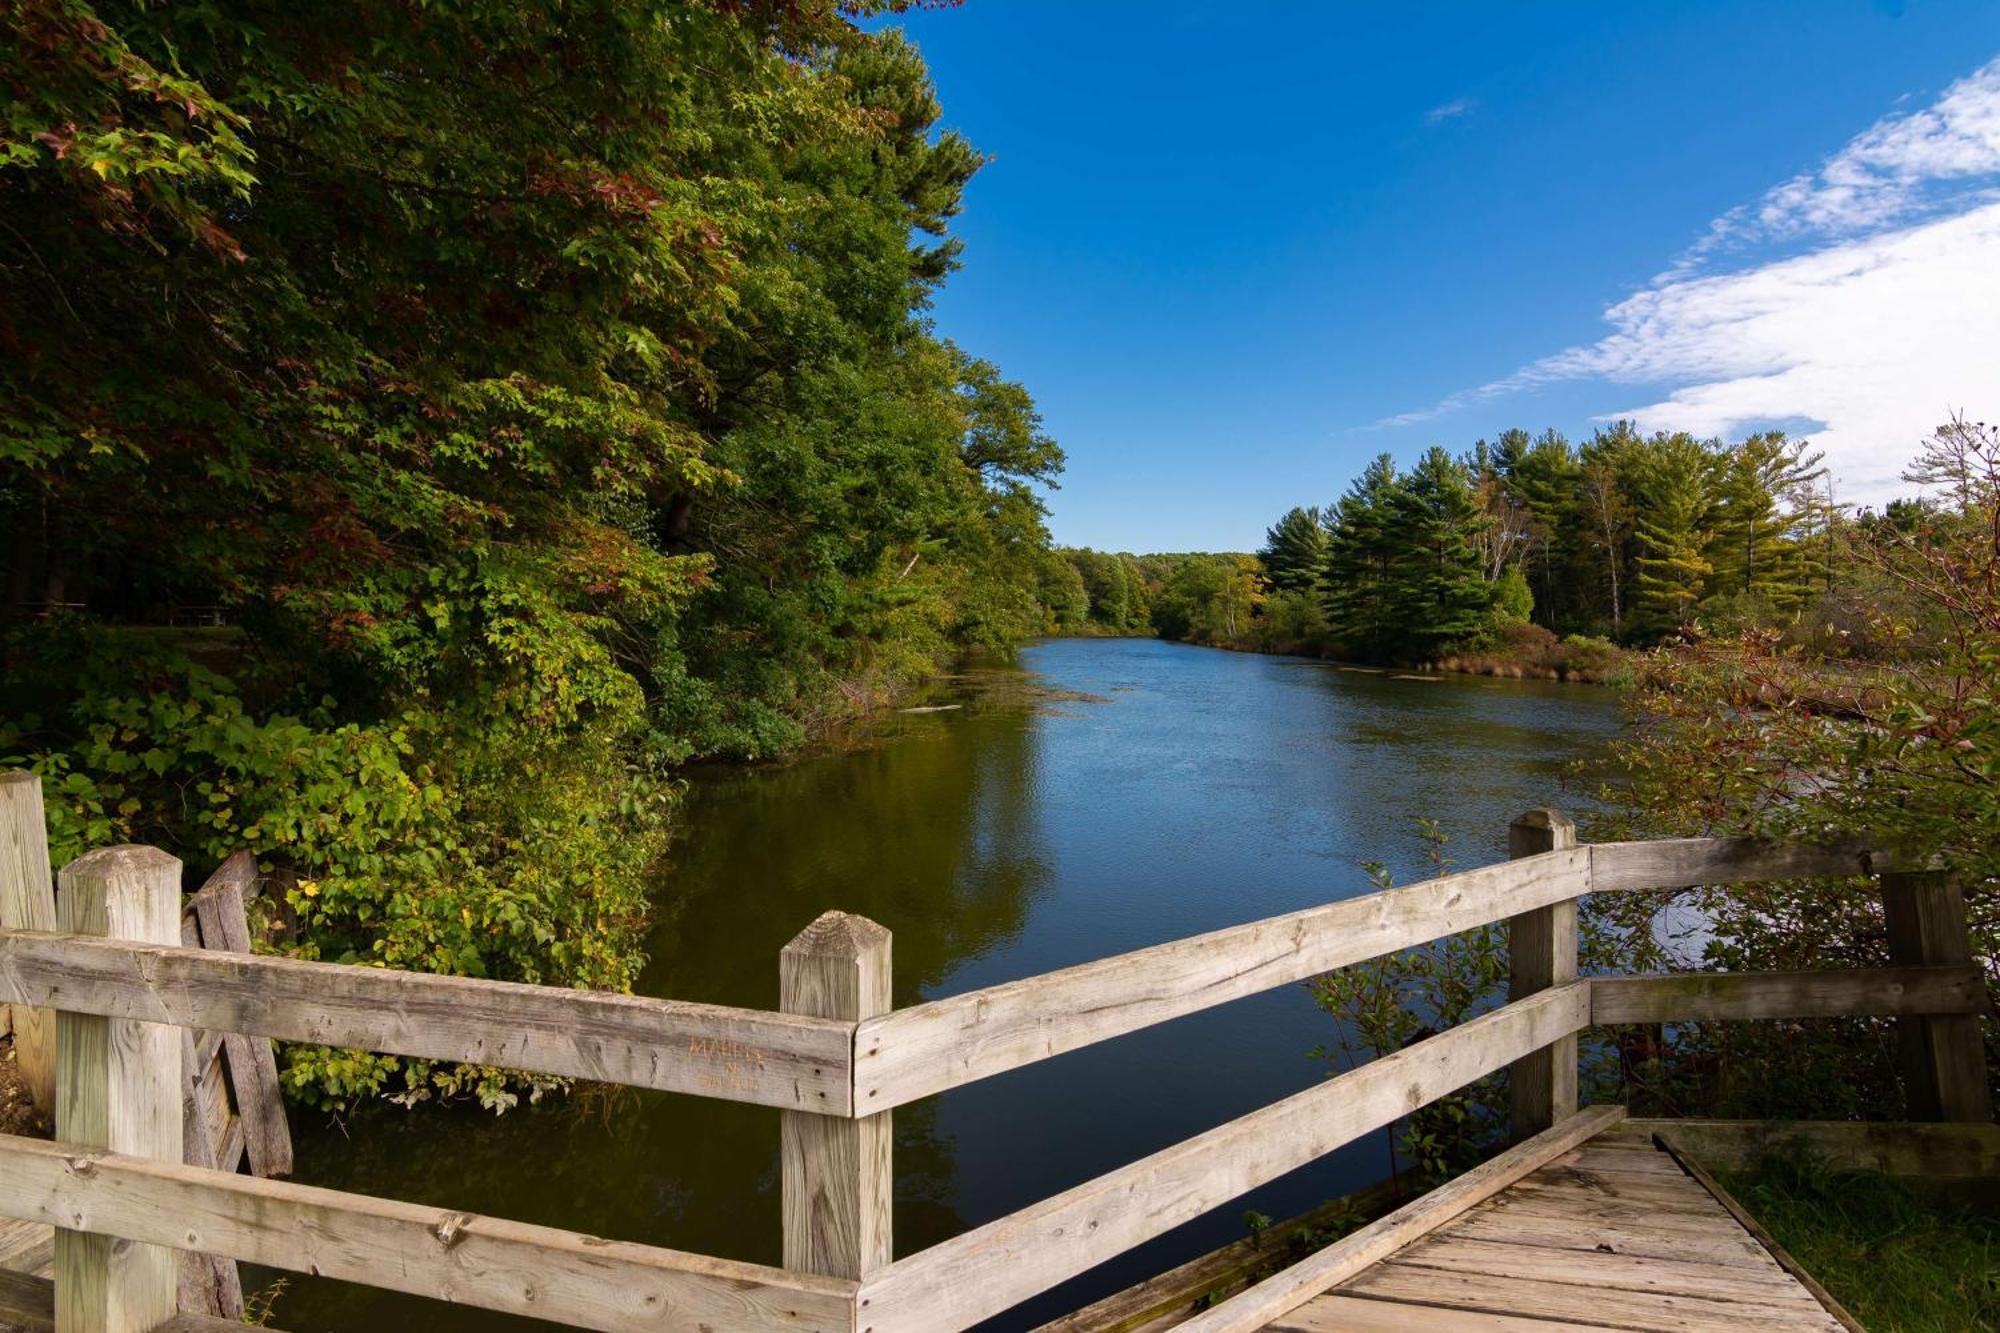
x=1235, y=249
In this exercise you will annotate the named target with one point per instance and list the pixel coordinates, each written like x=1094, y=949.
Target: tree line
x=420, y=434
x=1623, y=537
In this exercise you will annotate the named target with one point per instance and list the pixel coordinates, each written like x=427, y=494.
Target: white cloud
x=1888, y=327
x=1443, y=111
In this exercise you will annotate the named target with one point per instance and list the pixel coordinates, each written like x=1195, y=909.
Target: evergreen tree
x=1361, y=545
x=1675, y=485
x=1441, y=594
x=1295, y=550
x=1765, y=488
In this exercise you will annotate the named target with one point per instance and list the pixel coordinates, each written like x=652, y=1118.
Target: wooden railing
x=837, y=1060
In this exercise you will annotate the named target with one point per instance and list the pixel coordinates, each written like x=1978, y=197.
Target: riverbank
x=1529, y=653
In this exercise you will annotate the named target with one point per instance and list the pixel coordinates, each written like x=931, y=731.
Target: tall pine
x=1359, y=597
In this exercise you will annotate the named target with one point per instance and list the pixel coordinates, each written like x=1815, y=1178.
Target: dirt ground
x=17, y=1113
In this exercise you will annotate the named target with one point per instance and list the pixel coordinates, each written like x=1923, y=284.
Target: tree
x=1440, y=589
x=1294, y=553
x=538, y=394
x=1765, y=488
x=1674, y=479
x=1361, y=552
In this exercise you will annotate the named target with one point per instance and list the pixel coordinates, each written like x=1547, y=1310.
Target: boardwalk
x=1613, y=1234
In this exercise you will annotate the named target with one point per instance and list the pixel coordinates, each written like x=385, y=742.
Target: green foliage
x=1384, y=1005
x=1894, y=1257
x=1294, y=553
x=1752, y=735
x=417, y=439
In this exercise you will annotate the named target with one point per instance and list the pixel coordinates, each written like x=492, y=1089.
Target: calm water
x=1196, y=789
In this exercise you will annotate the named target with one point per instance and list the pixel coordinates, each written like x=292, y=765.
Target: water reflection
x=997, y=841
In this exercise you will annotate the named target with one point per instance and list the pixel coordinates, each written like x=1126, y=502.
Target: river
x=1103, y=795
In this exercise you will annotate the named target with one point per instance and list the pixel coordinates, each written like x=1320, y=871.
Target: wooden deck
x=1613, y=1234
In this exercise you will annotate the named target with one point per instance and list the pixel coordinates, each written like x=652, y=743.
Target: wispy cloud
x=1901, y=168
x=1452, y=110
x=1883, y=319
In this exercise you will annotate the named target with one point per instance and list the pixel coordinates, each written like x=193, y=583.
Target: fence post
x=118, y=1088
x=1943, y=1056
x=28, y=902
x=836, y=1173
x=1541, y=952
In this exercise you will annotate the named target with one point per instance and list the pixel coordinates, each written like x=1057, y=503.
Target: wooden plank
x=1653, y=1191
x=1753, y=995
x=452, y=1256
x=118, y=1088
x=992, y=1267
x=1723, y=1243
x=1936, y=1152
x=1749, y=1223
x=836, y=1180
x=1589, y=1208
x=745, y=1055
x=1682, y=863
x=1532, y=1298
x=27, y=1303
x=1641, y=1161
x=1166, y=1301
x=1541, y=952
x=1354, y=1314
x=253, y=1066
x=28, y=902
x=1273, y=1297
x=915, y=1052
x=207, y=1284
x=1596, y=1268
x=27, y=1247
x=1944, y=1055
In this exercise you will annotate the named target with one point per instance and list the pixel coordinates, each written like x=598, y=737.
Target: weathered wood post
x=1541, y=952
x=836, y=1173
x=1943, y=1057
x=28, y=902
x=118, y=1087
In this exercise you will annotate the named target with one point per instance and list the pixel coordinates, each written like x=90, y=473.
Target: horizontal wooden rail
x=914, y=1052
x=1280, y=1294
x=928, y=1048
x=451, y=1256
x=990, y=1268
x=743, y=1055
x=1681, y=863
x=1857, y=992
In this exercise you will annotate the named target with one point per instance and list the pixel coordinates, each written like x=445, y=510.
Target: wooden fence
x=837, y=1059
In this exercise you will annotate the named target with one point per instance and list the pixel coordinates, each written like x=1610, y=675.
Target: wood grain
x=1943, y=1055
x=836, y=1174
x=1681, y=863
x=1681, y=997
x=452, y=1256
x=28, y=902
x=220, y=906
x=118, y=1088
x=1276, y=1296
x=1541, y=952
x=990, y=1268
x=915, y=1052
x=745, y=1055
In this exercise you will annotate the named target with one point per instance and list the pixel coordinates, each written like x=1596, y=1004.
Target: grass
x=1899, y=1259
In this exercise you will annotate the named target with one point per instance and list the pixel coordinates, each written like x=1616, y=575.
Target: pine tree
x=1360, y=603
x=1294, y=553
x=1441, y=592
x=1765, y=489
x=1674, y=482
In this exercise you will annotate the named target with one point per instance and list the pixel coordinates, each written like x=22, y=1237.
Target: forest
x=420, y=435
x=1532, y=548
